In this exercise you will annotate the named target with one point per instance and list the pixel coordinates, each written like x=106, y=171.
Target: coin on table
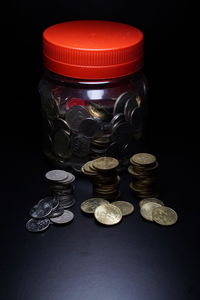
x=62, y=144
x=147, y=209
x=41, y=210
x=56, y=213
x=70, y=178
x=75, y=115
x=80, y=145
x=108, y=214
x=164, y=216
x=66, y=217
x=53, y=201
x=146, y=200
x=126, y=207
x=89, y=205
x=34, y=225
x=56, y=175
x=105, y=163
x=120, y=103
x=143, y=159
x=89, y=127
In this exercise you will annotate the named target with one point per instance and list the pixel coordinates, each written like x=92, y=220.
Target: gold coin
x=108, y=214
x=89, y=205
x=146, y=200
x=143, y=159
x=105, y=163
x=97, y=113
x=88, y=169
x=164, y=216
x=126, y=207
x=147, y=209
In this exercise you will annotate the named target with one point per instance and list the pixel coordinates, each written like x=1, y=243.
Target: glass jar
x=93, y=92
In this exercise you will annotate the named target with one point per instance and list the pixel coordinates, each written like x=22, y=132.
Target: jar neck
x=74, y=81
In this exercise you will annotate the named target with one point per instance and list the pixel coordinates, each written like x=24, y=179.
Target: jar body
x=86, y=119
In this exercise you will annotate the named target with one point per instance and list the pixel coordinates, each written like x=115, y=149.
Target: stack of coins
x=61, y=185
x=107, y=213
x=144, y=169
x=153, y=209
x=103, y=174
x=100, y=144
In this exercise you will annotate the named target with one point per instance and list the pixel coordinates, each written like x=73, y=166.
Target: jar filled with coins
x=93, y=92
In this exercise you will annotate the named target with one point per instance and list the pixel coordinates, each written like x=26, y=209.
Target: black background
x=135, y=259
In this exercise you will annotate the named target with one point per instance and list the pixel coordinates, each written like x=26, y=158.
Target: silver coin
x=121, y=133
x=120, y=103
x=69, y=180
x=61, y=144
x=75, y=115
x=37, y=225
x=41, y=210
x=56, y=175
x=117, y=119
x=80, y=145
x=56, y=213
x=66, y=217
x=89, y=127
x=49, y=106
x=61, y=124
x=129, y=107
x=50, y=200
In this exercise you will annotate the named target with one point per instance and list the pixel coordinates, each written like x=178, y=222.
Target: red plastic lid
x=93, y=49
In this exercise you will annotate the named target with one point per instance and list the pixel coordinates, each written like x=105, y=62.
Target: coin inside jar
x=89, y=127
x=108, y=214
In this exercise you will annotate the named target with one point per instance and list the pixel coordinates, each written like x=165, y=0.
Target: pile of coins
x=47, y=211
x=61, y=186
x=153, y=209
x=77, y=130
x=103, y=175
x=143, y=170
x=52, y=209
x=107, y=213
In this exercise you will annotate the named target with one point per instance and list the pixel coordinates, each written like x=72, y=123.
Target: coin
x=119, y=118
x=120, y=102
x=41, y=210
x=97, y=112
x=164, y=216
x=61, y=124
x=66, y=217
x=56, y=213
x=70, y=178
x=89, y=205
x=49, y=105
x=89, y=127
x=130, y=106
x=105, y=163
x=143, y=159
x=56, y=175
x=108, y=214
x=52, y=201
x=75, y=115
x=155, y=200
x=62, y=144
x=34, y=225
x=48, y=126
x=126, y=207
x=147, y=209
x=80, y=145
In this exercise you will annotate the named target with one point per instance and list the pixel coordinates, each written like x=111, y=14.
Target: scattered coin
x=34, y=225
x=41, y=210
x=164, y=216
x=126, y=207
x=56, y=213
x=66, y=217
x=155, y=200
x=147, y=209
x=89, y=205
x=108, y=214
